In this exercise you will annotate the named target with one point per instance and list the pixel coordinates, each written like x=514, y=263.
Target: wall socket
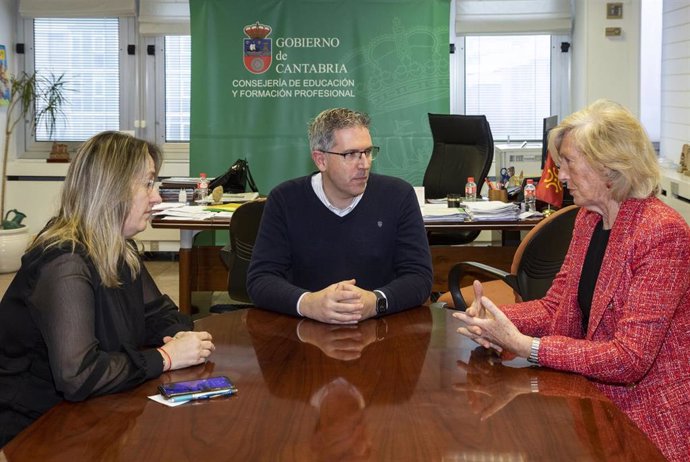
x=613, y=31
x=153, y=246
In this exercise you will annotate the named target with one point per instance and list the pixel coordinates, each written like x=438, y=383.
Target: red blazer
x=637, y=345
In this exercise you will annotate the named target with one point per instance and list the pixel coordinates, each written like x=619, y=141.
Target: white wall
x=675, y=78
x=606, y=67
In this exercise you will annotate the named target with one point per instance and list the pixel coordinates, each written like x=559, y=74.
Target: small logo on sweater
x=380, y=224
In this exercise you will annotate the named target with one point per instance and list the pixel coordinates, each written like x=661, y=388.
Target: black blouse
x=590, y=270
x=63, y=335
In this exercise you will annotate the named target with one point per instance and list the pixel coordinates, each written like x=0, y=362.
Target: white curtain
x=491, y=17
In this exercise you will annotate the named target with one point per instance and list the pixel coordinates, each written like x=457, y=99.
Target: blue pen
x=201, y=395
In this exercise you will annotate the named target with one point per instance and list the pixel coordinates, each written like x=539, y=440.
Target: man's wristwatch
x=381, y=302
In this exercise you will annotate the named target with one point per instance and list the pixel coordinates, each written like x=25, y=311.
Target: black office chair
x=244, y=226
x=463, y=147
x=536, y=262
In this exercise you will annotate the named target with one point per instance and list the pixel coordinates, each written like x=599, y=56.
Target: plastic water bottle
x=470, y=190
x=203, y=186
x=182, y=196
x=530, y=196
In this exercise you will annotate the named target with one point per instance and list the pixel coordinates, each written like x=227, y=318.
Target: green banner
x=262, y=70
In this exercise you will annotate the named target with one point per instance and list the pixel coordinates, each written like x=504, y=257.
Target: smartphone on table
x=187, y=390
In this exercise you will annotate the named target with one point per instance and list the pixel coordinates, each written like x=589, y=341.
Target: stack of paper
x=240, y=197
x=229, y=207
x=492, y=210
x=230, y=197
x=441, y=213
x=182, y=181
x=179, y=211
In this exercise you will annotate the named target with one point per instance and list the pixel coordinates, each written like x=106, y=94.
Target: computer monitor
x=549, y=123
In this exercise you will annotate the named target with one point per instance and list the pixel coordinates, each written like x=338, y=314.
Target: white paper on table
x=488, y=206
x=441, y=212
x=167, y=205
x=159, y=399
x=526, y=215
x=240, y=197
x=492, y=210
x=186, y=212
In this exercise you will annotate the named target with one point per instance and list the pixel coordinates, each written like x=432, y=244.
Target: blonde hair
x=96, y=199
x=614, y=142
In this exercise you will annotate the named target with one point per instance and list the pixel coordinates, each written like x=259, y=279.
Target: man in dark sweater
x=343, y=244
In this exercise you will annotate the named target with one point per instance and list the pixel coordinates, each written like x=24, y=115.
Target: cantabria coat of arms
x=258, y=52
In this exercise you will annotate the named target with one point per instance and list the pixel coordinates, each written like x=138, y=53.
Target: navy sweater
x=304, y=247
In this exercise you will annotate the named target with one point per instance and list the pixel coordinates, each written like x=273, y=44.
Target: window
x=178, y=77
x=116, y=81
x=508, y=79
x=86, y=51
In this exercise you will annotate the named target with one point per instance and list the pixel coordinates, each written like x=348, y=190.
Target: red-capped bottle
x=470, y=190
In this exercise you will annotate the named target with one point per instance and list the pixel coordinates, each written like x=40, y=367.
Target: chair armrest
x=459, y=270
x=226, y=255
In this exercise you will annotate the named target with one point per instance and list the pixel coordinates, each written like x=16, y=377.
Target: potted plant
x=39, y=99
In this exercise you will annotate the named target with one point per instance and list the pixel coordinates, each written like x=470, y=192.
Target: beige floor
x=165, y=273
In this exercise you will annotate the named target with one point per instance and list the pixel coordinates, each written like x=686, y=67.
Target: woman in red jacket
x=618, y=312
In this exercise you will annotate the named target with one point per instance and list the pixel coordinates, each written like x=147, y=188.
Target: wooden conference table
x=402, y=388
x=200, y=268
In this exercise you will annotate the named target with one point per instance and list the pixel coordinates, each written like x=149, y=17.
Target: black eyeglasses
x=353, y=156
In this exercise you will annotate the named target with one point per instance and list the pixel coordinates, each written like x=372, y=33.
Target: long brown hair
x=96, y=199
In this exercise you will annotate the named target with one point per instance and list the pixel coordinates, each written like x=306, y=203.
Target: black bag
x=236, y=179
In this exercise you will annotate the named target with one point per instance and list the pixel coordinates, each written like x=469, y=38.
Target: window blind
x=86, y=51
x=178, y=78
x=510, y=16
x=508, y=79
x=76, y=8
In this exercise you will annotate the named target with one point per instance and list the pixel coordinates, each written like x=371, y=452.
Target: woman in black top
x=82, y=316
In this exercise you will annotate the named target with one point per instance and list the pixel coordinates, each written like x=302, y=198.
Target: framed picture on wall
x=4, y=78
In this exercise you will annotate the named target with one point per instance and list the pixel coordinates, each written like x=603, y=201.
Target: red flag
x=549, y=188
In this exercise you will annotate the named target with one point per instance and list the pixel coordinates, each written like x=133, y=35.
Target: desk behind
x=407, y=388
x=201, y=268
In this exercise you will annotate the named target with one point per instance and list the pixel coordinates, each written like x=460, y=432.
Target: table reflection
x=343, y=342
x=350, y=374
x=496, y=388
x=405, y=387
